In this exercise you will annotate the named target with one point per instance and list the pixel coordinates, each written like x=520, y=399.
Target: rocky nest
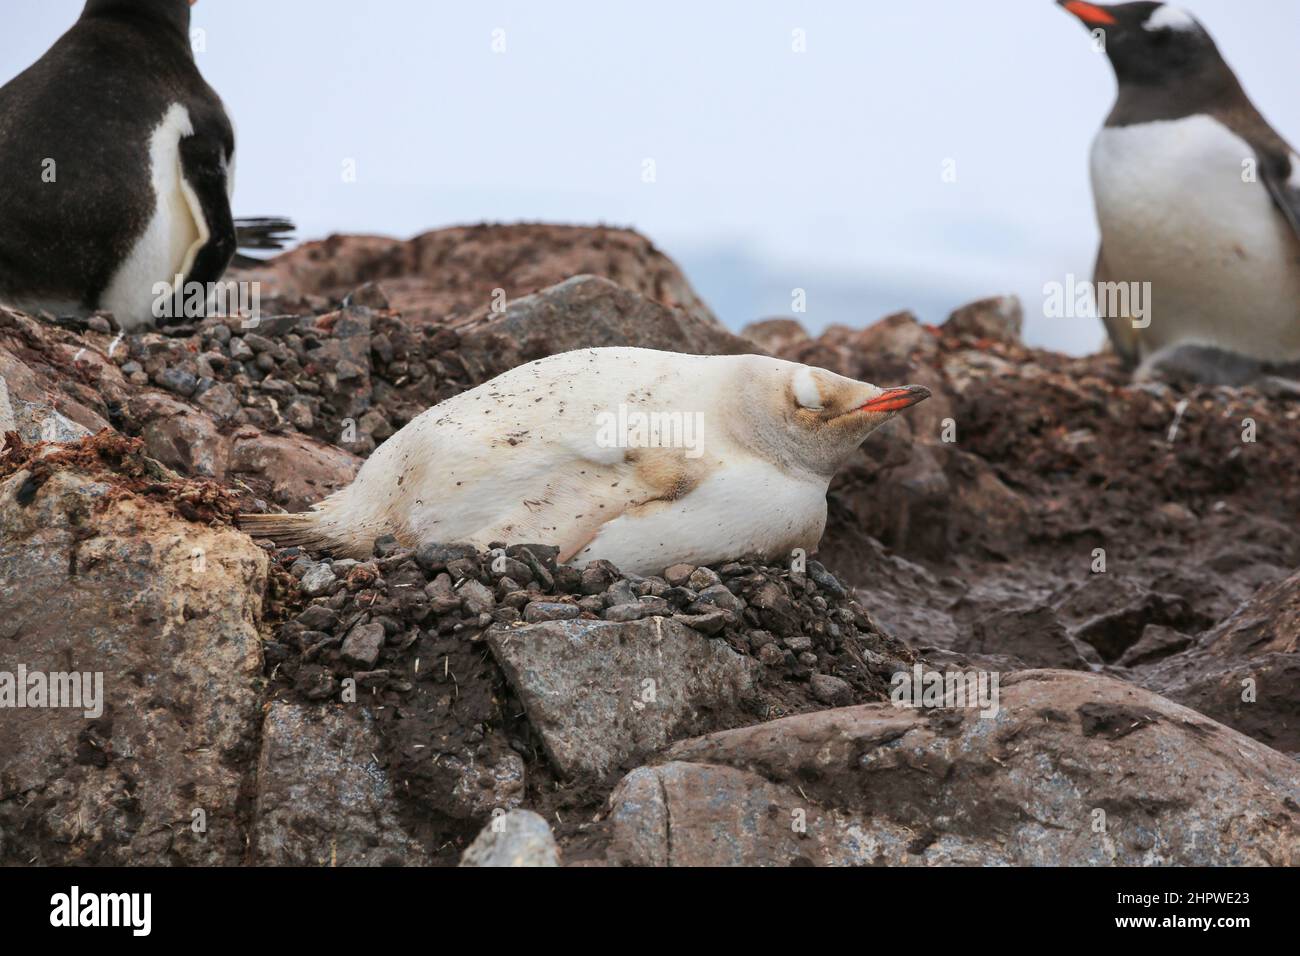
x=414, y=632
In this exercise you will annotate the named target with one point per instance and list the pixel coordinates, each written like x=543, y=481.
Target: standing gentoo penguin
x=1195, y=194
x=117, y=164
x=643, y=458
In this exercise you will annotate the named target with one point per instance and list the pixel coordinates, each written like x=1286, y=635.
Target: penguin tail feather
x=298, y=530
x=268, y=232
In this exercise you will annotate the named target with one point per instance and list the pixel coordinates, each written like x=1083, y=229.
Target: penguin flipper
x=203, y=167
x=1283, y=182
x=1119, y=328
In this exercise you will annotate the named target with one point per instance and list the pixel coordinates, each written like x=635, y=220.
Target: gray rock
x=178, y=380
x=596, y=577
x=710, y=622
x=825, y=580
x=588, y=311
x=538, y=611
x=831, y=690
x=621, y=592
x=317, y=579
x=717, y=596
x=239, y=350
x=481, y=790
x=623, y=613
x=434, y=557
x=318, y=618
x=517, y=838
x=35, y=422
x=321, y=798
x=476, y=597
x=600, y=692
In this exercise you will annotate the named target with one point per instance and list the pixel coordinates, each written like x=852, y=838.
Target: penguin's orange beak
x=896, y=399
x=1089, y=13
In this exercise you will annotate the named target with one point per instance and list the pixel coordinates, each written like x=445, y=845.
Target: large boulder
x=450, y=274
x=1074, y=769
x=164, y=613
x=600, y=693
x=591, y=312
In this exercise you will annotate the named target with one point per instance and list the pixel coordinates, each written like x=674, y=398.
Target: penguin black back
x=79, y=153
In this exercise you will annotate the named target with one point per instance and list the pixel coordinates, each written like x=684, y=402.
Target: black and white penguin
x=1195, y=194
x=118, y=165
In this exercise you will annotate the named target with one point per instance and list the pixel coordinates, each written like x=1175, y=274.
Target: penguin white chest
x=749, y=507
x=1180, y=206
x=175, y=233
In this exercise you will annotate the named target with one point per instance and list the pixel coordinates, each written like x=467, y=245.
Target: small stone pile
x=409, y=634
x=361, y=618
x=350, y=376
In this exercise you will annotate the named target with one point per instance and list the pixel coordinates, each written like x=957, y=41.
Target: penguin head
x=174, y=13
x=1148, y=43
x=812, y=418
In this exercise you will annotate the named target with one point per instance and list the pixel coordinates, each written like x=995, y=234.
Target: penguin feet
x=1188, y=365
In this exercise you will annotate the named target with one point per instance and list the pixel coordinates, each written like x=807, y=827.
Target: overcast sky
x=773, y=169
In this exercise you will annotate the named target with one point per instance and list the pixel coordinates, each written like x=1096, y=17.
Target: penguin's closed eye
x=806, y=392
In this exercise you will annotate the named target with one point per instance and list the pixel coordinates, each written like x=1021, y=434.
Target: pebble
x=362, y=645
x=679, y=574
x=318, y=579
x=538, y=611
x=434, y=557
x=178, y=380
x=703, y=578
x=625, y=612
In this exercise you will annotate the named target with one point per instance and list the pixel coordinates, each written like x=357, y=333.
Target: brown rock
x=998, y=319
x=98, y=581
x=1076, y=769
x=776, y=336
x=591, y=312
x=1246, y=671
x=452, y=274
x=290, y=470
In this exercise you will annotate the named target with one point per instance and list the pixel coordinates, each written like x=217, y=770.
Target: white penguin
x=640, y=457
